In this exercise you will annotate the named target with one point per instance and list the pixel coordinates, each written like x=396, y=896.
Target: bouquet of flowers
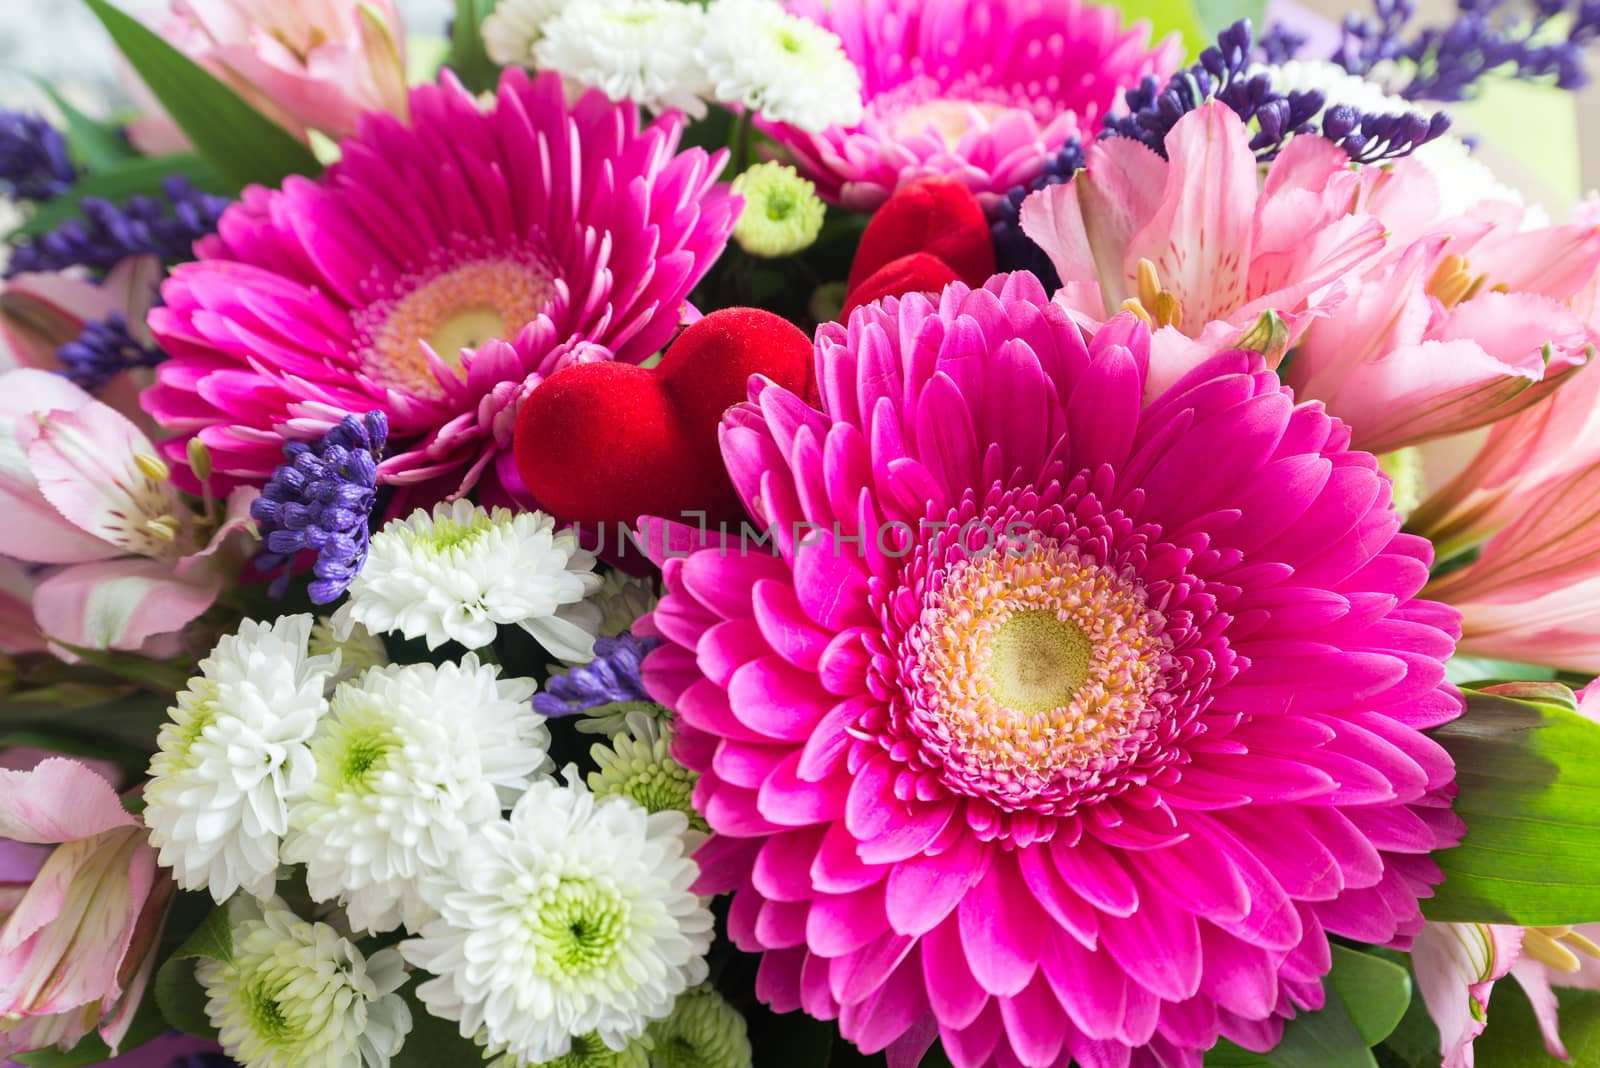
x=653, y=534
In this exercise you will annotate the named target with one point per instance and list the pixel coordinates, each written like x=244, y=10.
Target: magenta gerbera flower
x=1067, y=724
x=435, y=274
x=981, y=90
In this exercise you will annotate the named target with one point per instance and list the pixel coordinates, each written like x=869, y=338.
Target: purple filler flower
x=103, y=350
x=321, y=500
x=34, y=164
x=107, y=233
x=612, y=677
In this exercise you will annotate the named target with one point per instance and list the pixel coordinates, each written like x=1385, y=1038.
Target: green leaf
x=242, y=144
x=1168, y=16
x=1512, y=1039
x=142, y=175
x=1366, y=997
x=1462, y=670
x=1217, y=15
x=467, y=57
x=432, y=1042
x=1529, y=780
x=95, y=146
x=1375, y=991
x=178, y=992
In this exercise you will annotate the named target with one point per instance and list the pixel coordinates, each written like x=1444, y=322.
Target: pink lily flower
x=307, y=64
x=1427, y=341
x=83, y=489
x=41, y=312
x=76, y=945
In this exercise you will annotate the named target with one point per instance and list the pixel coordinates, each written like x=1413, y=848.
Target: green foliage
x=1366, y=997
x=1528, y=768
x=241, y=144
x=432, y=1042
x=1197, y=21
x=467, y=57
x=118, y=182
x=178, y=993
x=94, y=146
x=1512, y=1039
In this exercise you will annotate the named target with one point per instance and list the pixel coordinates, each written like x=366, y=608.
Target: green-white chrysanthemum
x=233, y=754
x=637, y=764
x=622, y=599
x=782, y=213
x=704, y=1031
x=589, y=1052
x=410, y=761
x=460, y=573
x=575, y=916
x=359, y=650
x=298, y=994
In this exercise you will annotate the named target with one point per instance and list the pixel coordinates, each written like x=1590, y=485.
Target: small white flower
x=233, y=754
x=572, y=917
x=622, y=599
x=1461, y=178
x=299, y=995
x=461, y=572
x=410, y=760
x=787, y=68
x=639, y=50
x=358, y=650
x=515, y=26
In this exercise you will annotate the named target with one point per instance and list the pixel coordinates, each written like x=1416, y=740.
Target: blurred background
x=1526, y=134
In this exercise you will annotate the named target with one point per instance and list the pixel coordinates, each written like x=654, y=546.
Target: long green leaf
x=95, y=146
x=242, y=144
x=467, y=56
x=1529, y=779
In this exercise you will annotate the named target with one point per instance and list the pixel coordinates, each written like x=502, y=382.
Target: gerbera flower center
x=1035, y=668
x=452, y=309
x=923, y=103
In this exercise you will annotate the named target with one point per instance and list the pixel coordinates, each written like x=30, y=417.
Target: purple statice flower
x=103, y=350
x=613, y=677
x=321, y=500
x=106, y=233
x=1014, y=250
x=1541, y=40
x=34, y=164
x=1223, y=74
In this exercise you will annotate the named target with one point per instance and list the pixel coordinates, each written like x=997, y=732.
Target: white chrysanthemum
x=574, y=916
x=233, y=754
x=300, y=995
x=462, y=572
x=639, y=50
x=638, y=764
x=1462, y=179
x=410, y=760
x=515, y=26
x=784, y=67
x=622, y=599
x=358, y=650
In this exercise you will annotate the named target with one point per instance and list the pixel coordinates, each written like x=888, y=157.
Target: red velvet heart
x=604, y=443
x=939, y=216
x=919, y=272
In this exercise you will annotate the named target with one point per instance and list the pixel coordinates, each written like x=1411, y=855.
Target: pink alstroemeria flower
x=1441, y=325
x=308, y=64
x=81, y=487
x=76, y=941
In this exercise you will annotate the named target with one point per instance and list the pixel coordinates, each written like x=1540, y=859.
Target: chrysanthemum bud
x=782, y=212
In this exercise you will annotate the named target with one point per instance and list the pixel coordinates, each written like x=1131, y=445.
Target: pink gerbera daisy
x=436, y=273
x=981, y=90
x=1064, y=724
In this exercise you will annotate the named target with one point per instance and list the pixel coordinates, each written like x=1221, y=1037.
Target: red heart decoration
x=939, y=216
x=920, y=272
x=604, y=443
